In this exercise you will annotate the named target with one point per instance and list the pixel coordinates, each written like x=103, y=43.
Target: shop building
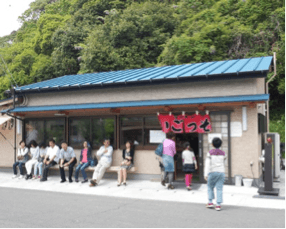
x=123, y=105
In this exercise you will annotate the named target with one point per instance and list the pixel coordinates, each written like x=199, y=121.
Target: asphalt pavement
x=34, y=208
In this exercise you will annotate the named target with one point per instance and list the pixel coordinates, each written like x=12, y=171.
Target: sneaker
x=39, y=177
x=62, y=181
x=76, y=180
x=217, y=208
x=27, y=177
x=21, y=177
x=70, y=180
x=34, y=178
x=14, y=176
x=210, y=205
x=84, y=181
x=189, y=188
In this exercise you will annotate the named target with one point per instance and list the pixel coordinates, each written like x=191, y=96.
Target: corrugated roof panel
x=265, y=64
x=211, y=68
x=198, y=69
x=166, y=70
x=258, y=65
x=251, y=65
x=237, y=66
x=173, y=73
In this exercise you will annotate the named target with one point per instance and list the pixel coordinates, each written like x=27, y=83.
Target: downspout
x=267, y=89
x=15, y=125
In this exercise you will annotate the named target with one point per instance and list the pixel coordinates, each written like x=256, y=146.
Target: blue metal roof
x=240, y=67
x=167, y=102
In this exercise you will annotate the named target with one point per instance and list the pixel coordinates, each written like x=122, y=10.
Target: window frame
x=142, y=146
x=46, y=138
x=91, y=118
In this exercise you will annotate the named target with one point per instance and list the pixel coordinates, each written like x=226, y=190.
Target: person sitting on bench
x=105, y=154
x=127, y=163
x=68, y=158
x=22, y=158
x=52, y=158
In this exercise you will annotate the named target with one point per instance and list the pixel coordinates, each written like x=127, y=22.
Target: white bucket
x=247, y=182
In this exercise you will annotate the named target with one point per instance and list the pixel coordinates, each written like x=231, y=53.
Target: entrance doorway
x=193, y=139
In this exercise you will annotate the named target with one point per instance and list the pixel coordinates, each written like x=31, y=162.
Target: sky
x=10, y=10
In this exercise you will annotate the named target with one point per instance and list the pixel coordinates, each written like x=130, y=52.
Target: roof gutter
x=267, y=89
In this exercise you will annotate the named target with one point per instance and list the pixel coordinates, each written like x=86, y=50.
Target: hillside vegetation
x=61, y=37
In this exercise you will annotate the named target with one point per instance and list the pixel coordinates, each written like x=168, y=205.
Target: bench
x=91, y=169
x=114, y=169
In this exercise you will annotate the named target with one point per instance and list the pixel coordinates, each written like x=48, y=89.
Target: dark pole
x=268, y=174
x=15, y=124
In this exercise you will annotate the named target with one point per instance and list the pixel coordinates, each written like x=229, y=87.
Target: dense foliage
x=60, y=37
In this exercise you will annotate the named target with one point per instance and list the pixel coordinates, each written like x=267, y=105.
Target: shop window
x=137, y=129
x=132, y=129
x=79, y=132
x=102, y=128
x=43, y=130
x=93, y=130
x=34, y=130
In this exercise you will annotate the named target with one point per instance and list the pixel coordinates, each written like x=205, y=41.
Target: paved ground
x=146, y=190
x=29, y=208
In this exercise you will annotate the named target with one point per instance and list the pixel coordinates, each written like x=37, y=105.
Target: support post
x=268, y=174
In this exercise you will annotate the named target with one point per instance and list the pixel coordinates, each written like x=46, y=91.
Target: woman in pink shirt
x=169, y=151
x=84, y=161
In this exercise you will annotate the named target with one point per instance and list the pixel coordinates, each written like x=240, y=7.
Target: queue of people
x=43, y=158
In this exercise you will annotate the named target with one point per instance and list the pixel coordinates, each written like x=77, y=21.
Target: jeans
x=20, y=165
x=81, y=167
x=215, y=179
x=170, y=176
x=46, y=169
x=62, y=170
x=38, y=165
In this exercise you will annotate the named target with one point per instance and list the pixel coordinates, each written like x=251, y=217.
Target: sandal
x=124, y=183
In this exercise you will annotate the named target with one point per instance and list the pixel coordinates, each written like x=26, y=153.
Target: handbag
x=159, y=150
x=189, y=168
x=93, y=162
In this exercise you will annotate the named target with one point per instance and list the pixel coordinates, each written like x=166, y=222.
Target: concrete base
x=274, y=192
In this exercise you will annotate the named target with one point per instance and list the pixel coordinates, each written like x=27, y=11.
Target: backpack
x=159, y=150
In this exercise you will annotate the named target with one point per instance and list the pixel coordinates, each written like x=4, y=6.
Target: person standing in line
x=214, y=173
x=52, y=158
x=39, y=164
x=105, y=154
x=169, y=151
x=22, y=157
x=68, y=158
x=35, y=152
x=84, y=161
x=189, y=164
x=126, y=164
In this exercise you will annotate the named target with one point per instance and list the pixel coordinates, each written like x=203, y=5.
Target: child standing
x=189, y=164
x=214, y=173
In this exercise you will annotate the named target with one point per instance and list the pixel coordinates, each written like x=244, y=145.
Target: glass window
x=55, y=129
x=151, y=123
x=132, y=129
x=42, y=130
x=34, y=130
x=79, y=132
x=102, y=128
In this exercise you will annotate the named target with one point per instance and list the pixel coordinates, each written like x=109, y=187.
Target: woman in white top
x=22, y=157
x=35, y=152
x=189, y=164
